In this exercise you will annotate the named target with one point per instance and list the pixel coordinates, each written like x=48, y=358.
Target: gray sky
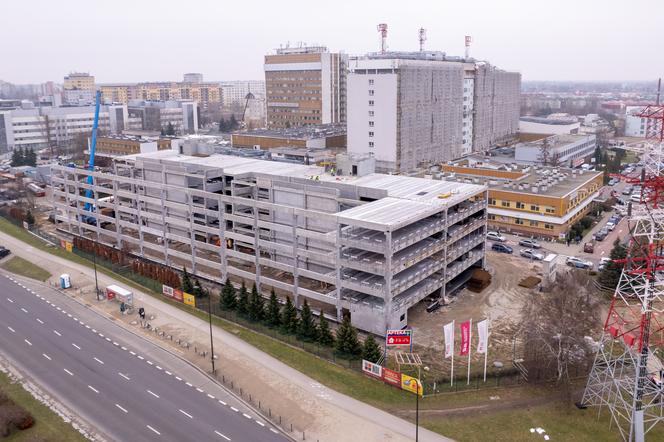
x=142, y=40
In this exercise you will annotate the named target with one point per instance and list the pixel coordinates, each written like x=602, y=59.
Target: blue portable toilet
x=65, y=281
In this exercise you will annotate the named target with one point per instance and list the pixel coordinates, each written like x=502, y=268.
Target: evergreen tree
x=272, y=315
x=17, y=159
x=170, y=130
x=325, y=336
x=232, y=124
x=30, y=158
x=347, y=343
x=370, y=350
x=223, y=126
x=29, y=218
x=306, y=328
x=187, y=285
x=22, y=157
x=289, y=317
x=198, y=291
x=228, y=300
x=243, y=301
x=256, y=305
x=610, y=275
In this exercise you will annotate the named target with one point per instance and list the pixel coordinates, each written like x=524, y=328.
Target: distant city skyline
x=152, y=41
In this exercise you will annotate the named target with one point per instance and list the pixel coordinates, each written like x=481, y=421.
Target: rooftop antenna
x=382, y=29
x=423, y=38
x=469, y=40
x=659, y=88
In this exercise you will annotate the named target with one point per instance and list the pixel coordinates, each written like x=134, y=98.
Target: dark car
x=4, y=252
x=501, y=248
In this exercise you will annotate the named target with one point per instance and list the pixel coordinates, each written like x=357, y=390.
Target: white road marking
x=246, y=415
x=76, y=346
x=132, y=353
x=210, y=396
x=124, y=348
x=140, y=357
x=93, y=389
x=124, y=376
x=27, y=342
x=99, y=360
x=158, y=367
x=154, y=394
x=185, y=413
x=200, y=390
x=189, y=385
x=58, y=308
x=40, y=321
x=178, y=378
x=274, y=431
x=116, y=344
x=260, y=423
x=57, y=332
x=87, y=326
x=68, y=372
x=10, y=300
x=219, y=434
x=158, y=433
x=47, y=356
x=149, y=362
x=101, y=335
x=108, y=339
x=168, y=373
x=24, y=310
x=94, y=331
x=121, y=408
x=222, y=402
x=69, y=314
x=234, y=409
x=11, y=329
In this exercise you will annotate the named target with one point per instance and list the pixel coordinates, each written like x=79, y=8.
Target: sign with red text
x=398, y=337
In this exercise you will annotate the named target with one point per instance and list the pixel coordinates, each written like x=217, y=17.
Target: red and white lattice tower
x=627, y=378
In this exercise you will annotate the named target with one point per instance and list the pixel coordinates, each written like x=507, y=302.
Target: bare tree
x=555, y=325
x=544, y=152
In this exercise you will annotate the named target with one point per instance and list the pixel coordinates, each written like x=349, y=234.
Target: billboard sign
x=167, y=291
x=177, y=294
x=398, y=337
x=411, y=384
x=189, y=299
x=392, y=377
x=372, y=369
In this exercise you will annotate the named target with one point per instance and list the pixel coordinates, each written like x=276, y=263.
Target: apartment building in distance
x=414, y=109
x=305, y=86
x=234, y=93
x=182, y=115
x=322, y=136
x=79, y=89
x=537, y=201
x=192, y=77
x=564, y=150
x=203, y=93
x=368, y=246
x=112, y=146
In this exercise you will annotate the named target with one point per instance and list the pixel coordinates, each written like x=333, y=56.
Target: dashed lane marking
x=219, y=434
x=11, y=329
x=40, y=321
x=99, y=360
x=10, y=300
x=222, y=402
x=121, y=408
x=68, y=372
x=24, y=310
x=153, y=430
x=47, y=356
x=57, y=332
x=260, y=423
x=246, y=415
x=93, y=389
x=124, y=376
x=76, y=346
x=27, y=342
x=154, y=394
x=234, y=409
x=185, y=413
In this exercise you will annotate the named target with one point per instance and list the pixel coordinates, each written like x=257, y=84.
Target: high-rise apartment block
x=193, y=77
x=79, y=89
x=304, y=86
x=181, y=115
x=415, y=109
x=234, y=93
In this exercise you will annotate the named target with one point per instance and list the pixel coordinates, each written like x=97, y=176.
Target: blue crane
x=91, y=164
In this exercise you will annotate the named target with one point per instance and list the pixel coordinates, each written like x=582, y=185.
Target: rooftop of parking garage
x=397, y=200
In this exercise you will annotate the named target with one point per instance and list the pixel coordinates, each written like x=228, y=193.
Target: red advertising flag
x=465, y=338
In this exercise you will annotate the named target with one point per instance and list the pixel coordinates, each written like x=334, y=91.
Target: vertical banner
x=483, y=335
x=448, y=331
x=465, y=338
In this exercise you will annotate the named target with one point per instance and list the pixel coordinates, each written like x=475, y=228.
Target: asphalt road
x=127, y=388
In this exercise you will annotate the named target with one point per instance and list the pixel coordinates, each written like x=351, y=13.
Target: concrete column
x=192, y=235
x=164, y=211
x=221, y=207
x=338, y=274
x=116, y=204
x=257, y=252
x=296, y=261
x=388, y=280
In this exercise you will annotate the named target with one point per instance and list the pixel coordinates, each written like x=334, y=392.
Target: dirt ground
x=500, y=303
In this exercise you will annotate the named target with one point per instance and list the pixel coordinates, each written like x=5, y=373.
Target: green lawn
x=22, y=267
x=48, y=425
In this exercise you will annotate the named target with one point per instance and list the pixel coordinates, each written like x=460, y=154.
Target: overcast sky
x=142, y=40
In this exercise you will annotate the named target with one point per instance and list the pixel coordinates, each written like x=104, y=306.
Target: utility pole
x=209, y=295
x=417, y=410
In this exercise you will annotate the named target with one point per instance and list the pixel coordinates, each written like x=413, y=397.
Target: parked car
x=530, y=254
x=530, y=243
x=589, y=247
x=495, y=236
x=4, y=252
x=501, y=248
x=610, y=225
x=602, y=263
x=579, y=263
x=636, y=198
x=627, y=190
x=601, y=235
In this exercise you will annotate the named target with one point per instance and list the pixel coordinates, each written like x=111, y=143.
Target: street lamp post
x=417, y=410
x=210, y=321
x=94, y=263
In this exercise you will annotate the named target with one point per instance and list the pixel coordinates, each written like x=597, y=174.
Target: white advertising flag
x=483, y=335
x=449, y=339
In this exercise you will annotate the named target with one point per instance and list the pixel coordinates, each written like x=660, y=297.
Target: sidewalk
x=323, y=414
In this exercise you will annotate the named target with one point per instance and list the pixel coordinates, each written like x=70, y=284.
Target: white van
x=636, y=198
